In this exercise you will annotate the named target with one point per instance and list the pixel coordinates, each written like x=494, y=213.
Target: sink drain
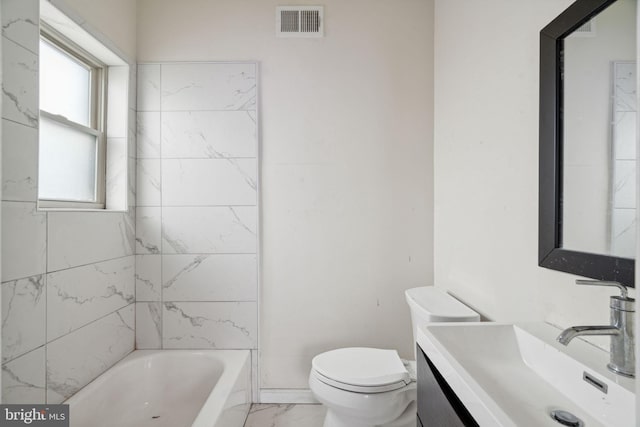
x=566, y=418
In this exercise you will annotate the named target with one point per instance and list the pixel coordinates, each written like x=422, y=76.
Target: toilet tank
x=430, y=304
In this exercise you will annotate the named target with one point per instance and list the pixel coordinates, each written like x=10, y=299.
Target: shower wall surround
x=197, y=206
x=67, y=277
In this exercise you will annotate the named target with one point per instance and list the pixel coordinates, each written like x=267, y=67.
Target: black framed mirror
x=587, y=214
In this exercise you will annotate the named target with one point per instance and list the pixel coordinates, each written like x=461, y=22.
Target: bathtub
x=168, y=388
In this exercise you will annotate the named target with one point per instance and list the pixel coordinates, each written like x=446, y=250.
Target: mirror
x=588, y=140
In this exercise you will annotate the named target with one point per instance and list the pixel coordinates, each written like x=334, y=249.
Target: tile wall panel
x=19, y=83
x=209, y=325
x=148, y=230
x=148, y=98
x=23, y=316
x=68, y=277
x=148, y=325
x=229, y=182
x=208, y=87
x=198, y=190
x=209, y=230
x=148, y=182
x=77, y=358
x=209, y=277
x=19, y=172
x=24, y=378
x=117, y=169
x=20, y=23
x=149, y=135
x=24, y=240
x=148, y=278
x=81, y=295
x=79, y=238
x=208, y=134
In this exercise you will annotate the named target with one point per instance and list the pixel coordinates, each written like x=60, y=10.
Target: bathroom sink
x=517, y=374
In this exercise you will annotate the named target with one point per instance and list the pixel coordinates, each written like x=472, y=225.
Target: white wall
x=346, y=165
x=486, y=172
x=114, y=19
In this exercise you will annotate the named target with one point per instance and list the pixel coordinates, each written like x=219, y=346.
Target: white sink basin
x=516, y=374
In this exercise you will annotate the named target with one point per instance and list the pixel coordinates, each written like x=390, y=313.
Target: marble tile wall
x=197, y=206
x=68, y=278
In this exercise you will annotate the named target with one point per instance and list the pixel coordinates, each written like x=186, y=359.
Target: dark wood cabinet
x=438, y=405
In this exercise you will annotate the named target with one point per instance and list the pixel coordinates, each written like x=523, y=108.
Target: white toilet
x=370, y=387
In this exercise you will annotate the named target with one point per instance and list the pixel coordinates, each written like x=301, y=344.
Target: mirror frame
x=550, y=252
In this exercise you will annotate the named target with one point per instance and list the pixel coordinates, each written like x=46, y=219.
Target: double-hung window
x=72, y=126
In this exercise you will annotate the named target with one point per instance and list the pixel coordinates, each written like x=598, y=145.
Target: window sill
x=51, y=209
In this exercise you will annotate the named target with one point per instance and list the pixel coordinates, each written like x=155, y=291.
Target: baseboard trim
x=282, y=395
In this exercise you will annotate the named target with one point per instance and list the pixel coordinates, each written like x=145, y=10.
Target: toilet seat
x=356, y=388
x=361, y=370
x=353, y=408
x=373, y=387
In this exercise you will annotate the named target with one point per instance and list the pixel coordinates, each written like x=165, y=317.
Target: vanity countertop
x=516, y=374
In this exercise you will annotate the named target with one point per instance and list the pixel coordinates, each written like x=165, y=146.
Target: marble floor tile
x=271, y=415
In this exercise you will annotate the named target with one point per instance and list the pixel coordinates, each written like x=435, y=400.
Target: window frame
x=98, y=118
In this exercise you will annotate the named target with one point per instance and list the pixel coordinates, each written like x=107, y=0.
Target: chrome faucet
x=623, y=359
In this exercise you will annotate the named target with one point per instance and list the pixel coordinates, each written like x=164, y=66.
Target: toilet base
x=407, y=419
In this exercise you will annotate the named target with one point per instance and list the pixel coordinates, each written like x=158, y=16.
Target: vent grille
x=290, y=21
x=299, y=21
x=310, y=21
x=588, y=29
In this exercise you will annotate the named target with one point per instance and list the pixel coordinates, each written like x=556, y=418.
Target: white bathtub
x=168, y=388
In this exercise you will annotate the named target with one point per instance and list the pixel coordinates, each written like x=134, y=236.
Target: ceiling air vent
x=588, y=29
x=299, y=21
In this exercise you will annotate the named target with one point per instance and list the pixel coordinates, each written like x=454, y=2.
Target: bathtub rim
x=233, y=361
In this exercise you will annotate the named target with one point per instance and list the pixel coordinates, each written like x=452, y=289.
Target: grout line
x=205, y=348
x=20, y=45
x=244, y=301
x=134, y=73
x=161, y=215
x=135, y=263
x=202, y=206
x=92, y=322
x=180, y=63
x=206, y=110
x=259, y=240
x=19, y=123
x=46, y=310
x=207, y=158
x=192, y=254
x=46, y=344
x=88, y=264
x=42, y=346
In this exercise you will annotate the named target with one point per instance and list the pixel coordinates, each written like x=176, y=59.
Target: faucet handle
x=623, y=288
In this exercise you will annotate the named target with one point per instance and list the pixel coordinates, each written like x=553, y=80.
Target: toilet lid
x=438, y=306
x=365, y=367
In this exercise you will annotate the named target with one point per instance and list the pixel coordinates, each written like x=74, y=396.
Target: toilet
x=371, y=387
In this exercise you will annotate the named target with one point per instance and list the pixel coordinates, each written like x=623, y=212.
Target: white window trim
x=120, y=100
x=98, y=120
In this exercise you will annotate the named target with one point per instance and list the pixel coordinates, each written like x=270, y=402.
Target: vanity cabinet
x=438, y=405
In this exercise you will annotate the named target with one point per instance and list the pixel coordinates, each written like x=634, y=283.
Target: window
x=72, y=126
